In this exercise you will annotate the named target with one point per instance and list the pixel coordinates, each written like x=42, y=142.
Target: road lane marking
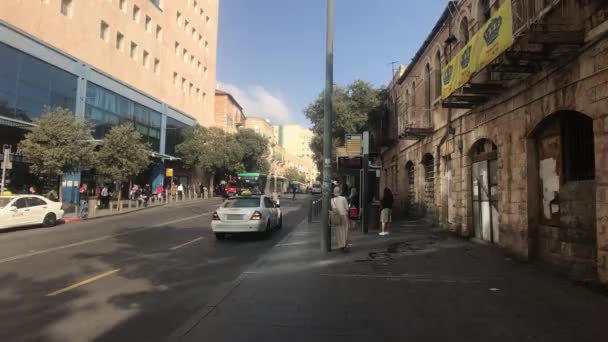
x=82, y=283
x=187, y=243
x=85, y=242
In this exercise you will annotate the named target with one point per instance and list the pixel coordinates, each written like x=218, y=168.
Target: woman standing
x=339, y=206
x=387, y=211
x=353, y=205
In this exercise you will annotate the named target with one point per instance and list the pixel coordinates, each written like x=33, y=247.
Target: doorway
x=484, y=185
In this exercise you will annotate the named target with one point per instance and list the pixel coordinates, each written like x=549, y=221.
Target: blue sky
x=271, y=53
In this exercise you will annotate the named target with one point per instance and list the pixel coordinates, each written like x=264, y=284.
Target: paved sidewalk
x=415, y=285
x=72, y=216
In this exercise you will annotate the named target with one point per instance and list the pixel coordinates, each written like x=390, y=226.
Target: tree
x=123, y=155
x=293, y=174
x=355, y=106
x=212, y=150
x=255, y=150
x=60, y=143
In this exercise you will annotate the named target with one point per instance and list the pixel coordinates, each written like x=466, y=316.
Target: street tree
x=59, y=143
x=211, y=150
x=122, y=155
x=294, y=175
x=354, y=107
x=255, y=150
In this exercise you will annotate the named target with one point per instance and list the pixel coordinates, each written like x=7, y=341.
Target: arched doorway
x=484, y=185
x=563, y=187
x=411, y=187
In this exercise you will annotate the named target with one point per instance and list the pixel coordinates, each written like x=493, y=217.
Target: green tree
x=255, y=151
x=212, y=150
x=355, y=107
x=123, y=155
x=60, y=143
x=293, y=174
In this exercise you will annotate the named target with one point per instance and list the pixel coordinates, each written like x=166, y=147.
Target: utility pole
x=6, y=164
x=327, y=140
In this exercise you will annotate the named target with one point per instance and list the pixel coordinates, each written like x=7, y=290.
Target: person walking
x=353, y=206
x=339, y=208
x=83, y=193
x=387, y=211
x=293, y=192
x=105, y=197
x=180, y=192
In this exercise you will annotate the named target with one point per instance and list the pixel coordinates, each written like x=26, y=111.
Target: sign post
x=365, y=182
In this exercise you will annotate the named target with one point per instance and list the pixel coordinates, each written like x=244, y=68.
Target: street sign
x=169, y=173
x=7, y=165
x=353, y=144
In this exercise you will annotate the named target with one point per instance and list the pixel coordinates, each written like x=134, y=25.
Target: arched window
x=428, y=162
x=464, y=30
x=407, y=106
x=427, y=94
x=413, y=102
x=437, y=74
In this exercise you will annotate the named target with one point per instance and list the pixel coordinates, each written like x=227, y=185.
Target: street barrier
x=314, y=208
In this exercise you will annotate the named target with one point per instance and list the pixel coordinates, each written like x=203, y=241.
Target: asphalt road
x=134, y=277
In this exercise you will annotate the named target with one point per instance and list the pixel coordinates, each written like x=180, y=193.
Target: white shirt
x=180, y=188
x=340, y=204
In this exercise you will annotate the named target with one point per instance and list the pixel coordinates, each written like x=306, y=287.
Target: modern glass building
x=34, y=75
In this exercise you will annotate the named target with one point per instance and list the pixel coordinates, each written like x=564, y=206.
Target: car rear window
x=242, y=203
x=5, y=201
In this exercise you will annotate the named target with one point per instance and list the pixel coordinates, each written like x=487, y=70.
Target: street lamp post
x=327, y=172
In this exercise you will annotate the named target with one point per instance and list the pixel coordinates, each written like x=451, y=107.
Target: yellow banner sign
x=169, y=173
x=494, y=37
x=353, y=144
x=341, y=152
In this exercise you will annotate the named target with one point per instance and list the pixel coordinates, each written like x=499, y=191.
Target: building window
x=186, y=26
x=148, y=24
x=66, y=8
x=133, y=52
x=122, y=4
x=146, y=59
x=464, y=31
x=427, y=94
x=136, y=13
x=28, y=85
x=178, y=19
x=120, y=41
x=199, y=67
x=183, y=84
x=156, y=66
x=105, y=109
x=174, y=135
x=191, y=89
x=201, y=12
x=200, y=40
x=175, y=78
x=176, y=48
x=205, y=71
x=198, y=94
x=204, y=98
x=104, y=31
x=185, y=56
x=437, y=74
x=159, y=33
x=207, y=20
x=192, y=60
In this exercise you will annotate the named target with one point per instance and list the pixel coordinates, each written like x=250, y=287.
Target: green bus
x=262, y=184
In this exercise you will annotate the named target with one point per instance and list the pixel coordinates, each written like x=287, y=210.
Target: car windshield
x=316, y=185
x=4, y=201
x=252, y=202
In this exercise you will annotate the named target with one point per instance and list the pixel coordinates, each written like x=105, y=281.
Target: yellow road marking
x=82, y=283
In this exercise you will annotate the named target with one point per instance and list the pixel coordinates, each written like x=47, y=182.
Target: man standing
x=84, y=199
x=105, y=197
x=180, y=192
x=293, y=191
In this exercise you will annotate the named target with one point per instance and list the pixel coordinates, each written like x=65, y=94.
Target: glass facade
x=28, y=85
x=173, y=135
x=105, y=109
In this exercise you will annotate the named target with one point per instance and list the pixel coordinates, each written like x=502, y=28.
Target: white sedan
x=242, y=214
x=27, y=210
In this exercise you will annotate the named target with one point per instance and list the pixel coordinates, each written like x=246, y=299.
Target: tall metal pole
x=327, y=140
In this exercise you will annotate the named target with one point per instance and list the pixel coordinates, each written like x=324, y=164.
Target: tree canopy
x=214, y=151
x=60, y=143
x=123, y=154
x=294, y=175
x=354, y=108
x=255, y=150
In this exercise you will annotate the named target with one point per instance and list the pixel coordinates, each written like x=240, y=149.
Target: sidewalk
x=415, y=285
x=72, y=216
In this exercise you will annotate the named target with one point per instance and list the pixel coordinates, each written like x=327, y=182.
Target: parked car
x=28, y=210
x=244, y=214
x=316, y=188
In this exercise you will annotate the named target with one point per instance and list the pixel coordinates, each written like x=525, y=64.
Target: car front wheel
x=50, y=220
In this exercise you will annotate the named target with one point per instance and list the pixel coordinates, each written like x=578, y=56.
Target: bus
x=262, y=184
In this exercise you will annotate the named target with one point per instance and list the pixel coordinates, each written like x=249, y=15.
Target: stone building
x=229, y=114
x=518, y=154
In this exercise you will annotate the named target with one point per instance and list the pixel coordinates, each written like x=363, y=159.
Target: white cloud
x=258, y=101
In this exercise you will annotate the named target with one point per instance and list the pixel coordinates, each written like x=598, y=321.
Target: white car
x=27, y=210
x=316, y=188
x=243, y=214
